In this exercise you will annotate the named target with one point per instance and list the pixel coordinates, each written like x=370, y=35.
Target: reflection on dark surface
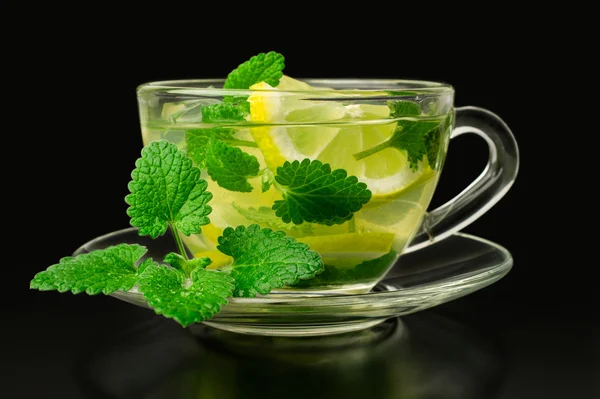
x=423, y=356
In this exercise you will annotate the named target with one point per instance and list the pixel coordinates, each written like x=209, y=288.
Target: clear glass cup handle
x=486, y=190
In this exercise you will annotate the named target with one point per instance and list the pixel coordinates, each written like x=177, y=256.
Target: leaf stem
x=178, y=241
x=352, y=225
x=373, y=150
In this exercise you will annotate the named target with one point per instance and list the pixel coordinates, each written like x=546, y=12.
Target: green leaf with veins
x=412, y=137
x=265, y=259
x=197, y=141
x=212, y=150
x=312, y=192
x=230, y=167
x=167, y=189
x=432, y=143
x=225, y=112
x=187, y=300
x=102, y=271
x=260, y=68
x=403, y=108
x=187, y=266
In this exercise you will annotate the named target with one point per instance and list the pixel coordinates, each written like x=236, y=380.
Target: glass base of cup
x=301, y=330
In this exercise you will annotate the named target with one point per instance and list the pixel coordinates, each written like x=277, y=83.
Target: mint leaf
x=225, y=112
x=197, y=141
x=413, y=137
x=403, y=108
x=416, y=138
x=187, y=301
x=102, y=271
x=167, y=189
x=432, y=143
x=260, y=68
x=312, y=192
x=433, y=140
x=230, y=167
x=265, y=259
x=187, y=266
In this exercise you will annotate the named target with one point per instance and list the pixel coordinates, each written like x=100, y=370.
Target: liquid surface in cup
x=346, y=135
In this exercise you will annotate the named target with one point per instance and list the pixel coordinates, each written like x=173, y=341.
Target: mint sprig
x=312, y=192
x=265, y=259
x=166, y=191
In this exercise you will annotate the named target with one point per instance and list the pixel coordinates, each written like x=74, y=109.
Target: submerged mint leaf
x=432, y=143
x=433, y=140
x=187, y=266
x=265, y=259
x=167, y=189
x=102, y=271
x=230, y=167
x=197, y=141
x=312, y=192
x=260, y=68
x=415, y=137
x=187, y=301
x=403, y=108
x=225, y=112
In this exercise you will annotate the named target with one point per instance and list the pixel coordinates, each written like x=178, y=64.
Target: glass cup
x=390, y=135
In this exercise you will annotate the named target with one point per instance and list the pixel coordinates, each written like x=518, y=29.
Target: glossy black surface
x=474, y=347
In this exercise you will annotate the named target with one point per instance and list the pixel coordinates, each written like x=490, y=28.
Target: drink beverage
x=366, y=134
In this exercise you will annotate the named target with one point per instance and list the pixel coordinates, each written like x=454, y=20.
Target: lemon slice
x=350, y=249
x=386, y=173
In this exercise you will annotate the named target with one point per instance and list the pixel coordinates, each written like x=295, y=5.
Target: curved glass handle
x=491, y=185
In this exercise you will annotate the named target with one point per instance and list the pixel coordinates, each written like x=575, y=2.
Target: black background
x=73, y=113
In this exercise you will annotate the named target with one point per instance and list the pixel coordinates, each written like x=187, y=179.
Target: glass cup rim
x=340, y=87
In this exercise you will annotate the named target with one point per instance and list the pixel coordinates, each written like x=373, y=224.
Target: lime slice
x=386, y=173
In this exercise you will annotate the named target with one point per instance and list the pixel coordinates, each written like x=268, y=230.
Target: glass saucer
x=441, y=272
